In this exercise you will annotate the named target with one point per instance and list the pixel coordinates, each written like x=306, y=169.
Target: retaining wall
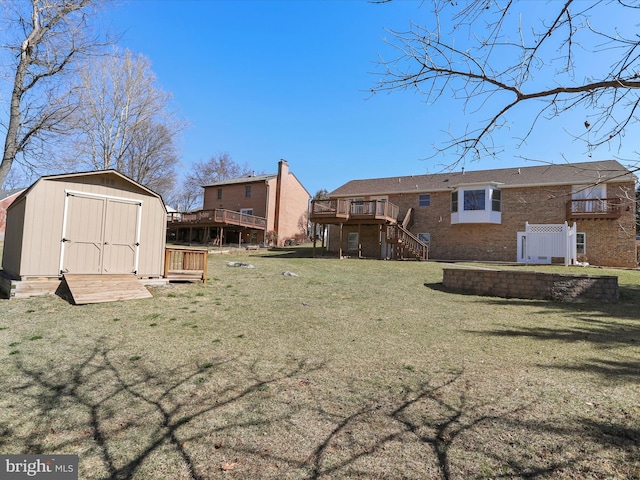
x=532, y=285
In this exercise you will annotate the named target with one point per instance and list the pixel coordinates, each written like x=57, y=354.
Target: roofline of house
x=241, y=180
x=15, y=193
x=502, y=186
x=450, y=189
x=301, y=184
x=252, y=179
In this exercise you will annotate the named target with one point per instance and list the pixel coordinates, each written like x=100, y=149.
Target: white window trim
x=488, y=215
x=584, y=243
x=350, y=239
x=424, y=195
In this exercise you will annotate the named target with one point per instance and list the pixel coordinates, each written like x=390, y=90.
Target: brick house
x=270, y=208
x=483, y=215
x=6, y=199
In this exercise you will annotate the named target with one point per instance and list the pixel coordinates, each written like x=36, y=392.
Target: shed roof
x=544, y=175
x=88, y=174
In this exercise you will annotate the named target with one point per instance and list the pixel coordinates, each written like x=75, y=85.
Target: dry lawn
x=352, y=369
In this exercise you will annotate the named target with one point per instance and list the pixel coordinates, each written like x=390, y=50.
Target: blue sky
x=265, y=80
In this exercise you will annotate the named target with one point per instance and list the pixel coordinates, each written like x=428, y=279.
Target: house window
x=581, y=243
x=479, y=204
x=496, y=201
x=247, y=191
x=474, y=199
x=219, y=194
x=425, y=238
x=352, y=241
x=424, y=200
x=246, y=211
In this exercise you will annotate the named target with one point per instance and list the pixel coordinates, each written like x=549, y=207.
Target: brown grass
x=353, y=369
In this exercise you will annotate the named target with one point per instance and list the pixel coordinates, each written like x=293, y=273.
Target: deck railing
x=330, y=208
x=594, y=208
x=186, y=264
x=220, y=216
x=373, y=208
x=353, y=209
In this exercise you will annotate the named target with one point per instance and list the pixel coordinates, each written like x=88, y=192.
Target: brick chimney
x=283, y=172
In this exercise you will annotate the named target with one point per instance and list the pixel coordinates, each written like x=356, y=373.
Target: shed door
x=120, y=244
x=83, y=233
x=100, y=234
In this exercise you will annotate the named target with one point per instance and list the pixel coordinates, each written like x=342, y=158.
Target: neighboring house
x=6, y=198
x=486, y=215
x=252, y=210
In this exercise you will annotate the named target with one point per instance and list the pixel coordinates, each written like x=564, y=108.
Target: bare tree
x=48, y=36
x=16, y=179
x=494, y=59
x=125, y=121
x=218, y=168
x=322, y=194
x=152, y=157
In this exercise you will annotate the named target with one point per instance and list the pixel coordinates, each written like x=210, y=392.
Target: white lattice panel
x=548, y=228
x=544, y=241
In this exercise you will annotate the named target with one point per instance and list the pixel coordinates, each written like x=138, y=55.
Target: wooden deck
x=594, y=208
x=12, y=288
x=214, y=218
x=345, y=211
x=86, y=289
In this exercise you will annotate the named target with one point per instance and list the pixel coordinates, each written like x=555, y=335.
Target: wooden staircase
x=408, y=219
x=406, y=244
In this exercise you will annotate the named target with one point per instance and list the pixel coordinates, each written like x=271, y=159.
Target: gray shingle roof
x=248, y=179
x=7, y=193
x=553, y=174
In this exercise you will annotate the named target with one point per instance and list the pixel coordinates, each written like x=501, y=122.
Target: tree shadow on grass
x=437, y=430
x=288, y=252
x=601, y=333
x=623, y=369
x=628, y=307
x=128, y=420
x=607, y=335
x=450, y=434
x=584, y=455
x=123, y=413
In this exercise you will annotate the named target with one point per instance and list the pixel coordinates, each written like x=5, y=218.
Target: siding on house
x=294, y=206
x=234, y=195
x=287, y=213
x=537, y=195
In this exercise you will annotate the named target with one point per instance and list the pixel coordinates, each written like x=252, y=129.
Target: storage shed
x=85, y=223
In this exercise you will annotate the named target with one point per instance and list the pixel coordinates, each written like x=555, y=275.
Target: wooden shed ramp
x=104, y=288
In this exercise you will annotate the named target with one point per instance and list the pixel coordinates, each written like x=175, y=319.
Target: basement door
x=100, y=235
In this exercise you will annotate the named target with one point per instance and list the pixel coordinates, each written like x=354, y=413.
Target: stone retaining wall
x=532, y=285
